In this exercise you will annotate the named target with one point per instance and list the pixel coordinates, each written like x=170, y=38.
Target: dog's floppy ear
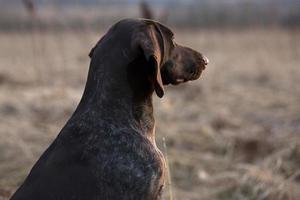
x=148, y=42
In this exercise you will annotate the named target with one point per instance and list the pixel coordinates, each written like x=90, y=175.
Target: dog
x=107, y=149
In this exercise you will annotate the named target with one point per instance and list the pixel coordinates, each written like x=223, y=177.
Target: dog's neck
x=119, y=95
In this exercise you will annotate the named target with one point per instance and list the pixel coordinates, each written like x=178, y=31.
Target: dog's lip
x=183, y=79
x=177, y=81
x=196, y=75
x=180, y=80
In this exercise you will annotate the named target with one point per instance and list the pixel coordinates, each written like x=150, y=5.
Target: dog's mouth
x=167, y=79
x=175, y=80
x=174, y=77
x=178, y=81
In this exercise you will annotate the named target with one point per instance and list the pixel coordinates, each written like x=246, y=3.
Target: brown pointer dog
x=107, y=149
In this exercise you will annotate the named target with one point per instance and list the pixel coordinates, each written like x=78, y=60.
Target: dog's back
x=122, y=166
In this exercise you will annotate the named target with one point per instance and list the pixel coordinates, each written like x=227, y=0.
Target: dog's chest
x=127, y=160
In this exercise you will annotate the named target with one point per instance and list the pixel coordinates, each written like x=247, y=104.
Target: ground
x=234, y=134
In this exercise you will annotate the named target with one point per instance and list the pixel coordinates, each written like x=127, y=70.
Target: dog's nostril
x=205, y=59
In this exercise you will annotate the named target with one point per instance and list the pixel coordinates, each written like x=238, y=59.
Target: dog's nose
x=206, y=61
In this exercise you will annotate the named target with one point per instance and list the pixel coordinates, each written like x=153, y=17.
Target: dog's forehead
x=140, y=22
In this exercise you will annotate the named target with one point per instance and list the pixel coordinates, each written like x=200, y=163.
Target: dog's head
x=169, y=62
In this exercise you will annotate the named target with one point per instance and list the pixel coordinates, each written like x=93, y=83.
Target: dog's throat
x=143, y=115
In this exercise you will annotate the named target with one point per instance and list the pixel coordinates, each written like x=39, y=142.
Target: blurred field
x=232, y=135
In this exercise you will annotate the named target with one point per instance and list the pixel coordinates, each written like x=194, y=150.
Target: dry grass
x=233, y=135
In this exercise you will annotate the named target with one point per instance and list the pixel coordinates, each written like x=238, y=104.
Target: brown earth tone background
x=234, y=134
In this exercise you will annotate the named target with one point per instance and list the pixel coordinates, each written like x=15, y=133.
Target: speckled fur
x=107, y=149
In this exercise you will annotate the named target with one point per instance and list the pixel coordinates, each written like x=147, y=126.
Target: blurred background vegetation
x=232, y=135
x=55, y=14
